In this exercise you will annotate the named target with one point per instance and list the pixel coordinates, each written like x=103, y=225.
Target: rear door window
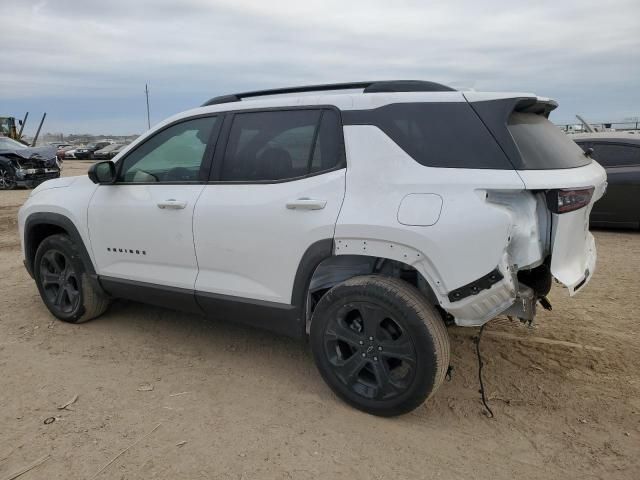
x=615, y=154
x=281, y=145
x=542, y=145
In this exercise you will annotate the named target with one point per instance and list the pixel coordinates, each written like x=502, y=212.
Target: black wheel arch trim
x=315, y=254
x=58, y=220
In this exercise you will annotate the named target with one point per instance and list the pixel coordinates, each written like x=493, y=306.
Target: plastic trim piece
x=282, y=318
x=476, y=287
x=55, y=219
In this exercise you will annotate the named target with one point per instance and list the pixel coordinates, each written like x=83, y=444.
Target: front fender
x=38, y=220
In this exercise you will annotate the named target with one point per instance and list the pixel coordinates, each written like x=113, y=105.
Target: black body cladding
x=41, y=224
x=286, y=319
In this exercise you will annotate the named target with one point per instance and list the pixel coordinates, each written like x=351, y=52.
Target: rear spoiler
x=538, y=105
x=494, y=113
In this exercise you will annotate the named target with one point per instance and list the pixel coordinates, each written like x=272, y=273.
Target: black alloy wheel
x=7, y=178
x=60, y=281
x=67, y=290
x=369, y=350
x=379, y=344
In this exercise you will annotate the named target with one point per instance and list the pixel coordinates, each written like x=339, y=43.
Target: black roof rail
x=368, y=87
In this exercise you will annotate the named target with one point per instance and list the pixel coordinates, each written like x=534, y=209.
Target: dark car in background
x=120, y=148
x=26, y=166
x=106, y=152
x=86, y=153
x=619, y=154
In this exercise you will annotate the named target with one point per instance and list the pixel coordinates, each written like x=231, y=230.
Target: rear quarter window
x=447, y=134
x=542, y=145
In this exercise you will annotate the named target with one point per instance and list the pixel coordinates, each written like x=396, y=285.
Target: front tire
x=7, y=178
x=66, y=289
x=379, y=344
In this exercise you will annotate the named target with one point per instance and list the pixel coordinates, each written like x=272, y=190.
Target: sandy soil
x=250, y=405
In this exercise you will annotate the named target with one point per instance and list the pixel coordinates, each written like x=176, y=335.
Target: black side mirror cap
x=103, y=173
x=588, y=152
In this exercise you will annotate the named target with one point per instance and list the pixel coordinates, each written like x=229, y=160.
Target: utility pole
x=146, y=92
x=24, y=122
x=35, y=139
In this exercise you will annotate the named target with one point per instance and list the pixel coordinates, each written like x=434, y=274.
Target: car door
x=622, y=163
x=277, y=187
x=141, y=226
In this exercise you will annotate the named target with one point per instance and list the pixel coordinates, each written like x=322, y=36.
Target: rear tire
x=64, y=285
x=379, y=344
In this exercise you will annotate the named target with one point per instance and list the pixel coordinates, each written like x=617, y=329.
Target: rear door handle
x=172, y=204
x=306, y=203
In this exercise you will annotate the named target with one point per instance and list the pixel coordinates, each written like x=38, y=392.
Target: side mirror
x=102, y=173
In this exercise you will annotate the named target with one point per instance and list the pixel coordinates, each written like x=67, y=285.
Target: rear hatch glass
x=542, y=145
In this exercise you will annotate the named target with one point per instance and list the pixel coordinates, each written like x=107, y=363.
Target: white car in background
x=70, y=154
x=365, y=216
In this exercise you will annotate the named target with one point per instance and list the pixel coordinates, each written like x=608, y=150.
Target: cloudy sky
x=85, y=62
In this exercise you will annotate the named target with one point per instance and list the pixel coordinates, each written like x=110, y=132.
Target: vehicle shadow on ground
x=173, y=339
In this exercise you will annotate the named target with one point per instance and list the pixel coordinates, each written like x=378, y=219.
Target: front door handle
x=306, y=203
x=172, y=204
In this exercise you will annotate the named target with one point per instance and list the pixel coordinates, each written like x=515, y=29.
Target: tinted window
x=615, y=154
x=327, y=151
x=280, y=145
x=436, y=134
x=542, y=145
x=173, y=155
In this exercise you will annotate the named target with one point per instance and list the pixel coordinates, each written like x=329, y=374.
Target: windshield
x=10, y=144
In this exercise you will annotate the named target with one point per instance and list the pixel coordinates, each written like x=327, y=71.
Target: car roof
x=348, y=100
x=352, y=98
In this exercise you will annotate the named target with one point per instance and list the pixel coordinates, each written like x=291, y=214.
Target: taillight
x=568, y=200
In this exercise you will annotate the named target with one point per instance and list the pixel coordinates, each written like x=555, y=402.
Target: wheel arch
x=321, y=269
x=40, y=225
x=6, y=162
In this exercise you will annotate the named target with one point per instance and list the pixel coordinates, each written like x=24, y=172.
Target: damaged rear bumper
x=481, y=306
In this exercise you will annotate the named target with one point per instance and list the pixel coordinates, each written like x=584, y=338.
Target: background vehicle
x=106, y=152
x=117, y=150
x=25, y=166
x=59, y=145
x=85, y=153
x=61, y=148
x=365, y=219
x=619, y=154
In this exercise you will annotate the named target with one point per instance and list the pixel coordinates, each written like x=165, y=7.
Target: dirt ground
x=232, y=402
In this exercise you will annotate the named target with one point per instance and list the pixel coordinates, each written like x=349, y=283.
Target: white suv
x=365, y=215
